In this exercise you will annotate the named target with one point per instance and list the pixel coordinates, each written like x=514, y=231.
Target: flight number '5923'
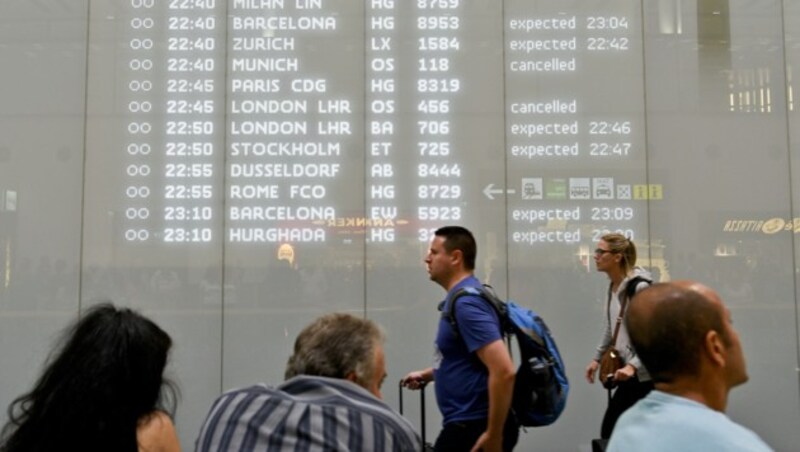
x=436, y=213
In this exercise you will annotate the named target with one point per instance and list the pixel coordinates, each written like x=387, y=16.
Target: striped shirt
x=305, y=413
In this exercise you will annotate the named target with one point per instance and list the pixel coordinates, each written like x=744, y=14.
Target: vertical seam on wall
x=83, y=166
x=791, y=185
x=505, y=144
x=366, y=163
x=222, y=202
x=646, y=146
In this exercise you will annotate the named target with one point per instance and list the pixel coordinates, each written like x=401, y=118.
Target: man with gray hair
x=684, y=336
x=330, y=401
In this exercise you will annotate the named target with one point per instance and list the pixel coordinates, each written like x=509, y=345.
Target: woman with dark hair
x=616, y=257
x=102, y=390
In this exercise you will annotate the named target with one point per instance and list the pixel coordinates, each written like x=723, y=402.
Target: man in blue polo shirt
x=472, y=368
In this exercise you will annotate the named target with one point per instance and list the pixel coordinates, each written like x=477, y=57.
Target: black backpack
x=541, y=386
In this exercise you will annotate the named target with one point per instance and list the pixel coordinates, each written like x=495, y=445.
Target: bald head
x=667, y=324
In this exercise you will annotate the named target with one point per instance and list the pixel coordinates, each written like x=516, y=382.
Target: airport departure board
x=317, y=121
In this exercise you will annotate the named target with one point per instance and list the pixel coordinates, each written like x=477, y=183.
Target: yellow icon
x=286, y=253
x=773, y=225
x=640, y=191
x=655, y=191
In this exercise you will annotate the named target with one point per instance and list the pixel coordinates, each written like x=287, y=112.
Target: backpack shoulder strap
x=486, y=293
x=630, y=291
x=633, y=283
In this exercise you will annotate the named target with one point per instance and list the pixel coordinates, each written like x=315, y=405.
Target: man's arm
x=497, y=360
x=418, y=378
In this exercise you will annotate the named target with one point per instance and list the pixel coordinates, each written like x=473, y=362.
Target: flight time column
x=439, y=172
x=615, y=137
x=190, y=105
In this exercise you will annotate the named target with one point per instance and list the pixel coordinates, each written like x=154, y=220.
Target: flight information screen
x=328, y=121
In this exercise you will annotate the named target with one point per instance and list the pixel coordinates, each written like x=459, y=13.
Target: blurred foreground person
x=331, y=399
x=684, y=336
x=102, y=390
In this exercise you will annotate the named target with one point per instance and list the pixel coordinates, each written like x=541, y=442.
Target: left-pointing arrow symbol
x=490, y=191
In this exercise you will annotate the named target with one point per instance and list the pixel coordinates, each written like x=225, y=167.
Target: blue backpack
x=541, y=386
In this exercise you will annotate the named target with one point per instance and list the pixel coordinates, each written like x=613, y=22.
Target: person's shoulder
x=725, y=435
x=254, y=394
x=642, y=277
x=684, y=424
x=259, y=388
x=738, y=437
x=155, y=432
x=472, y=305
x=466, y=292
x=639, y=280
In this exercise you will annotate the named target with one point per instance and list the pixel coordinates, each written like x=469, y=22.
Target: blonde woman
x=616, y=257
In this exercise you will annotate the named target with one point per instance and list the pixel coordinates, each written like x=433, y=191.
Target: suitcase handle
x=421, y=407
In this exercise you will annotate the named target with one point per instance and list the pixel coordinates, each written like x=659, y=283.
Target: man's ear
x=457, y=256
x=715, y=348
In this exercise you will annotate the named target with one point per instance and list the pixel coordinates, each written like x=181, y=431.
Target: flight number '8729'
x=439, y=191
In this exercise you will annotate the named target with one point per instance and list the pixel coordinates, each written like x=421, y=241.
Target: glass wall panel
x=447, y=166
x=717, y=130
x=235, y=169
x=152, y=211
x=42, y=99
x=295, y=177
x=791, y=49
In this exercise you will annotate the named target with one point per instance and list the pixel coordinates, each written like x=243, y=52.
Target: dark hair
x=334, y=346
x=107, y=375
x=459, y=238
x=669, y=337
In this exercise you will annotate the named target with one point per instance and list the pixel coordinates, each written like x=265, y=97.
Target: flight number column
x=382, y=211
x=194, y=41
x=439, y=171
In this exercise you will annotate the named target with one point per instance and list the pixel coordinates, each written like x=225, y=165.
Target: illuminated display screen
x=273, y=121
x=237, y=167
